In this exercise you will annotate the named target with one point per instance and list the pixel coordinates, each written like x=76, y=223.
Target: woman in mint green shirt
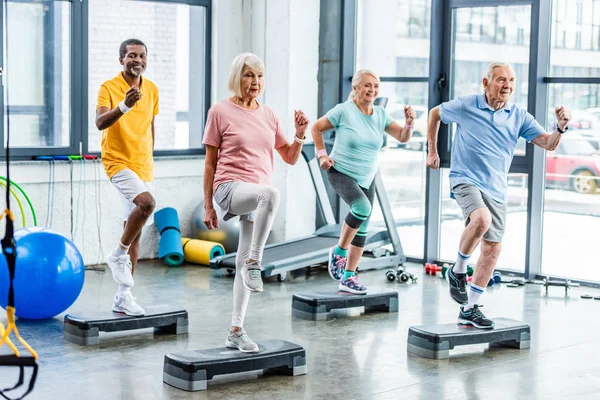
x=351, y=167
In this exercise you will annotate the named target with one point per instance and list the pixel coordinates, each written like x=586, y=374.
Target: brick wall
x=111, y=22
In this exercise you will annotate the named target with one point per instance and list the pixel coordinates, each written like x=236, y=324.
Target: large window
x=576, y=24
x=52, y=96
x=553, y=196
x=175, y=63
x=393, y=40
x=572, y=197
x=393, y=37
x=572, y=172
x=499, y=25
x=38, y=73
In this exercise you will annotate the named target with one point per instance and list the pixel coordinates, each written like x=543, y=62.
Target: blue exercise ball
x=49, y=274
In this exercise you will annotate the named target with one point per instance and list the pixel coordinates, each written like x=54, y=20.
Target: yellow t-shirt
x=128, y=142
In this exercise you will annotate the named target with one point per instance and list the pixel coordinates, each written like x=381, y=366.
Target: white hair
x=357, y=79
x=237, y=66
x=489, y=72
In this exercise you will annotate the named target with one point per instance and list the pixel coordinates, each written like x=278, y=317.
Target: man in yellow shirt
x=125, y=113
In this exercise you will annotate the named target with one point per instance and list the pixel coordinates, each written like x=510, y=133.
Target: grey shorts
x=222, y=196
x=470, y=198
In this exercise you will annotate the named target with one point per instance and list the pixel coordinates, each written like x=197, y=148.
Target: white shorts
x=130, y=186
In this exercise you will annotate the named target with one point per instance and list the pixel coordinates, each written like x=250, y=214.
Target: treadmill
x=279, y=258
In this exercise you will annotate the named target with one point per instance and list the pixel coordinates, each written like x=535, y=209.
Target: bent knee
x=361, y=209
x=146, y=203
x=271, y=196
x=481, y=220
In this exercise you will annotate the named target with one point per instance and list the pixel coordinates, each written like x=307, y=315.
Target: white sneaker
x=127, y=304
x=241, y=341
x=121, y=269
x=251, y=276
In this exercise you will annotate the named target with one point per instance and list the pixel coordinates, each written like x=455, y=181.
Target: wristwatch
x=562, y=131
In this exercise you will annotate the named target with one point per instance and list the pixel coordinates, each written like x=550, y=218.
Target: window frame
x=78, y=85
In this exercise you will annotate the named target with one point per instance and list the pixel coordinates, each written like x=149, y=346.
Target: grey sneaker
x=127, y=304
x=251, y=276
x=241, y=341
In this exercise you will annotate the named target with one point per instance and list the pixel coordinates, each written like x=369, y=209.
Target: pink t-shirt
x=246, y=139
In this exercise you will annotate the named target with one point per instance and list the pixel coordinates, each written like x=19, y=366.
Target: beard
x=138, y=72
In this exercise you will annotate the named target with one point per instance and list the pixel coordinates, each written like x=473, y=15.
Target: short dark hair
x=128, y=42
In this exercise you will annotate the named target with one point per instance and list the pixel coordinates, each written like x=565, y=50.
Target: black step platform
x=191, y=370
x=436, y=341
x=317, y=306
x=84, y=330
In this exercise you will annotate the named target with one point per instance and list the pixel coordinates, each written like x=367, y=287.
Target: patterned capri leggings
x=359, y=200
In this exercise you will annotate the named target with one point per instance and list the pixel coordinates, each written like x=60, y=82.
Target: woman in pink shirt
x=240, y=136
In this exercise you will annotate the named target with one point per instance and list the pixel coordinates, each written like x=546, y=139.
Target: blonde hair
x=357, y=79
x=237, y=66
x=489, y=71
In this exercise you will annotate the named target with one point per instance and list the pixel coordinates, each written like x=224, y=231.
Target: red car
x=575, y=163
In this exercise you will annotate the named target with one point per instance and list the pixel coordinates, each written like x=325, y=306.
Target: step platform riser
x=85, y=330
x=191, y=371
x=436, y=341
x=321, y=305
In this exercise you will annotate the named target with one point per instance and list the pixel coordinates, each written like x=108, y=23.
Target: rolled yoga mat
x=169, y=247
x=201, y=251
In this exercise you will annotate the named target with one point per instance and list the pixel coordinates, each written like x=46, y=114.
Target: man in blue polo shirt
x=487, y=129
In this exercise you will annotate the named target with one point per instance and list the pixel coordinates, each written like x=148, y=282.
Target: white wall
x=97, y=208
x=282, y=32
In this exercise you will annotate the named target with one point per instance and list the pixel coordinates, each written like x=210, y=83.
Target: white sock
x=121, y=250
x=474, y=293
x=122, y=289
x=461, y=263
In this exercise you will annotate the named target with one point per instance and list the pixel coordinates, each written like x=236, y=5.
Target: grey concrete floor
x=356, y=357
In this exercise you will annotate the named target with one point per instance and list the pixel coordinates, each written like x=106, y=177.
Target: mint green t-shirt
x=358, y=139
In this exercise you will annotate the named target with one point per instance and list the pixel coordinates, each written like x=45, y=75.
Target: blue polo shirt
x=485, y=141
x=358, y=139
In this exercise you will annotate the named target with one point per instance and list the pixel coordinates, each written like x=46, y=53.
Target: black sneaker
x=474, y=317
x=458, y=287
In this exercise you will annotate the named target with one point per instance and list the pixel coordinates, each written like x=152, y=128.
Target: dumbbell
x=566, y=284
x=390, y=275
x=432, y=269
x=496, y=278
x=406, y=276
x=446, y=267
x=401, y=275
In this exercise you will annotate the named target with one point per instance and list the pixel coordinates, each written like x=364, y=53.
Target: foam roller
x=201, y=251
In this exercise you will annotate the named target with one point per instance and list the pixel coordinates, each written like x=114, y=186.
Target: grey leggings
x=245, y=199
x=360, y=201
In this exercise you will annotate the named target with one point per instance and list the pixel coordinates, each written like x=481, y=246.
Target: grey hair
x=489, y=72
x=357, y=78
x=250, y=60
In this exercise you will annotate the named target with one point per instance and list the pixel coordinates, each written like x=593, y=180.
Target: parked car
x=575, y=164
x=419, y=137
